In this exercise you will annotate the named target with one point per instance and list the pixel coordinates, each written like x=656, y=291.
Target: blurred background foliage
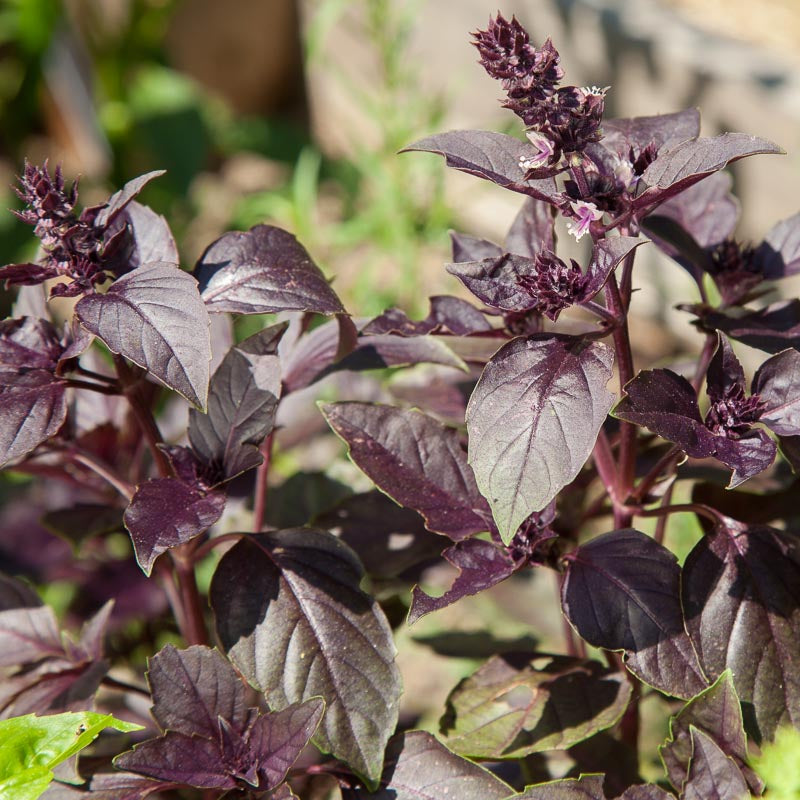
x=114, y=88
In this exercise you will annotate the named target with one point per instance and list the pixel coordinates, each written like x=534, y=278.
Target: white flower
x=584, y=215
x=544, y=152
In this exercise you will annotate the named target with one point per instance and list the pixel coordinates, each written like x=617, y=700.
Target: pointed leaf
x=770, y=329
x=587, y=787
x=34, y=409
x=777, y=383
x=498, y=282
x=152, y=237
x=449, y=314
x=741, y=596
x=416, y=461
x=242, y=401
x=716, y=712
x=779, y=254
x=471, y=248
x=192, y=688
x=154, y=316
x=277, y=739
x=480, y=564
x=663, y=130
x=607, y=254
x=178, y=758
x=531, y=231
x=165, y=513
x=293, y=619
x=517, y=704
x=684, y=165
x=621, y=591
x=119, y=200
x=418, y=767
x=524, y=446
x=712, y=775
x=29, y=343
x=123, y=786
x=15, y=593
x=263, y=270
x=493, y=156
x=28, y=634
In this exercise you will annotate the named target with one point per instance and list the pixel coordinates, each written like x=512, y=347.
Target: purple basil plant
x=537, y=446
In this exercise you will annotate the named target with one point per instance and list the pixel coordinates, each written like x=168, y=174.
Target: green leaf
x=31, y=746
x=777, y=765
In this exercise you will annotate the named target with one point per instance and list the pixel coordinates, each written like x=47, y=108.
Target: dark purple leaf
x=519, y=704
x=666, y=403
x=123, y=786
x=741, y=598
x=684, y=165
x=493, y=156
x=416, y=461
x=777, y=383
x=27, y=635
x=779, y=253
x=530, y=232
x=178, y=758
x=606, y=255
x=263, y=270
x=152, y=238
x=587, y=787
x=28, y=343
x=647, y=791
x=418, y=767
x=76, y=342
x=480, y=565
x=621, y=591
x=770, y=329
x=26, y=274
x=716, y=712
x=712, y=774
x=790, y=449
x=165, y=513
x=389, y=539
x=154, y=316
x=15, y=593
x=498, y=282
x=243, y=397
x=524, y=445
x=119, y=200
x=276, y=739
x=449, y=314
x=663, y=130
x=83, y=521
x=440, y=392
x=724, y=371
x=192, y=688
x=471, y=248
x=292, y=617
x=34, y=408
x=707, y=211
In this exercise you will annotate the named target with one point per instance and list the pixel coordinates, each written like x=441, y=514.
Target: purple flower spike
x=554, y=286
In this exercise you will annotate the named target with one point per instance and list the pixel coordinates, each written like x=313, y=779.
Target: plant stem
x=627, y=446
x=700, y=509
x=194, y=630
x=103, y=388
x=105, y=472
x=661, y=525
x=705, y=359
x=122, y=686
x=662, y=466
x=262, y=475
x=210, y=544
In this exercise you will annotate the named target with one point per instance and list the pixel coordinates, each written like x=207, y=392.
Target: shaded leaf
x=243, y=397
x=493, y=156
x=779, y=253
x=480, y=565
x=28, y=634
x=154, y=316
x=418, y=767
x=523, y=444
x=263, y=270
x=621, y=591
x=531, y=231
x=15, y=593
x=741, y=597
x=165, y=513
x=712, y=775
x=498, y=281
x=663, y=130
x=517, y=704
x=152, y=237
x=770, y=329
x=120, y=199
x=449, y=314
x=416, y=461
x=715, y=711
x=83, y=521
x=645, y=792
x=293, y=619
x=777, y=383
x=472, y=248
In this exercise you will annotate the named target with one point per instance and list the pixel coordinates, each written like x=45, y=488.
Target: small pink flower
x=584, y=215
x=544, y=152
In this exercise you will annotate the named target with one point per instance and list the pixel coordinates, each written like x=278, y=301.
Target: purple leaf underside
x=524, y=445
x=712, y=774
x=155, y=317
x=119, y=200
x=416, y=461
